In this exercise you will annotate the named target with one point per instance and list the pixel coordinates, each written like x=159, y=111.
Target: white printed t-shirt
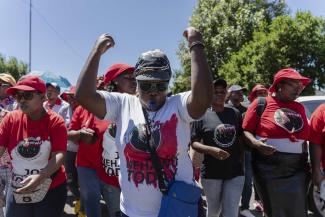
x=140, y=196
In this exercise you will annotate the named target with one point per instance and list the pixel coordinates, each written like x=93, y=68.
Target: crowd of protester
x=122, y=138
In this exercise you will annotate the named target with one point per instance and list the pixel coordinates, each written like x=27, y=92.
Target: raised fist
x=191, y=34
x=103, y=43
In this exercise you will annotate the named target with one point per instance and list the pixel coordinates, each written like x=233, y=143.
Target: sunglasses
x=150, y=87
x=29, y=95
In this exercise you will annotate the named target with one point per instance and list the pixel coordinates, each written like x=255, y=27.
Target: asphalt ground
x=69, y=210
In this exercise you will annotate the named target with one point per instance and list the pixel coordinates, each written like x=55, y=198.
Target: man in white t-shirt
x=54, y=102
x=169, y=120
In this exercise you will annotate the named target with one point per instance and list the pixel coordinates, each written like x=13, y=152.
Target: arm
x=32, y=181
x=315, y=157
x=85, y=135
x=86, y=93
x=260, y=145
x=74, y=135
x=213, y=151
x=201, y=79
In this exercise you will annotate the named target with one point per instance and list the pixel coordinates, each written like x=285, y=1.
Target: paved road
x=69, y=212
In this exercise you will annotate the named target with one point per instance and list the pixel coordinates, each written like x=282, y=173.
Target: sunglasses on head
x=148, y=86
x=28, y=95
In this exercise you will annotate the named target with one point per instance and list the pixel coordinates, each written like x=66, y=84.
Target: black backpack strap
x=261, y=104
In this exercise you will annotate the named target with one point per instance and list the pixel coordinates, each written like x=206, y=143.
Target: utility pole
x=30, y=36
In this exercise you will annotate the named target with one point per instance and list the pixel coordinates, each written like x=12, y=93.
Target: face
x=30, y=102
x=290, y=89
x=3, y=87
x=219, y=95
x=237, y=96
x=72, y=100
x=126, y=83
x=52, y=93
x=261, y=93
x=152, y=94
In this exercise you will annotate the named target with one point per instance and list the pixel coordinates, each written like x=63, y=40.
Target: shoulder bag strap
x=154, y=157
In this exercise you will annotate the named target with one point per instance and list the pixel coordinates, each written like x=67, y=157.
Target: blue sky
x=64, y=31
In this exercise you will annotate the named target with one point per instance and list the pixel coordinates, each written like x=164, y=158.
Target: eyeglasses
x=150, y=87
x=28, y=95
x=295, y=84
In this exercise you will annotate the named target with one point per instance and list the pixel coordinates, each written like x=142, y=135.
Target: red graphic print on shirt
x=139, y=164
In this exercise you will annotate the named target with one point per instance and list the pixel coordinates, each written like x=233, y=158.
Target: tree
x=12, y=66
x=226, y=26
x=297, y=42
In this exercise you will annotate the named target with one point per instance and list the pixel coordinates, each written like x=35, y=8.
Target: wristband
x=195, y=43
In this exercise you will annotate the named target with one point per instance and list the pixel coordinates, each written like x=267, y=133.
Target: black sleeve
x=196, y=131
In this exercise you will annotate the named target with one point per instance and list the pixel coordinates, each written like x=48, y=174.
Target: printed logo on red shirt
x=29, y=147
x=289, y=120
x=225, y=135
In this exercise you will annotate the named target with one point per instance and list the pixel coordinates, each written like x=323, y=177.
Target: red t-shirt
x=101, y=127
x=30, y=143
x=283, y=123
x=90, y=155
x=317, y=129
x=87, y=155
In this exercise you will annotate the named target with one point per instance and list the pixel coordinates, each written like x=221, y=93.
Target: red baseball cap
x=71, y=91
x=115, y=70
x=288, y=73
x=252, y=94
x=28, y=83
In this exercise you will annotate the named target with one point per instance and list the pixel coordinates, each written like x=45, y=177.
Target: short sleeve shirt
x=284, y=124
x=221, y=130
x=30, y=143
x=90, y=155
x=317, y=129
x=170, y=132
x=87, y=155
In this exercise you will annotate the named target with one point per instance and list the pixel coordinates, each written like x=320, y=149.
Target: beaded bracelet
x=195, y=43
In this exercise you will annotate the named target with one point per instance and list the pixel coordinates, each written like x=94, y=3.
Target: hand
x=262, y=147
x=317, y=179
x=191, y=34
x=103, y=43
x=87, y=135
x=30, y=184
x=219, y=153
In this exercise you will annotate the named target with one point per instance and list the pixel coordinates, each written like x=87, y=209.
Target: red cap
x=252, y=94
x=28, y=83
x=288, y=73
x=115, y=70
x=72, y=91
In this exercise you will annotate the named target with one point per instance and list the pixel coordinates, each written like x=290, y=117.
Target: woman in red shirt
x=36, y=141
x=278, y=137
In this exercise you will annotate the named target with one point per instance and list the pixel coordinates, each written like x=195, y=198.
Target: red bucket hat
x=252, y=94
x=288, y=73
x=115, y=70
x=72, y=91
x=28, y=83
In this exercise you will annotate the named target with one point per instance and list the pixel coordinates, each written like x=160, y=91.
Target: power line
x=54, y=30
